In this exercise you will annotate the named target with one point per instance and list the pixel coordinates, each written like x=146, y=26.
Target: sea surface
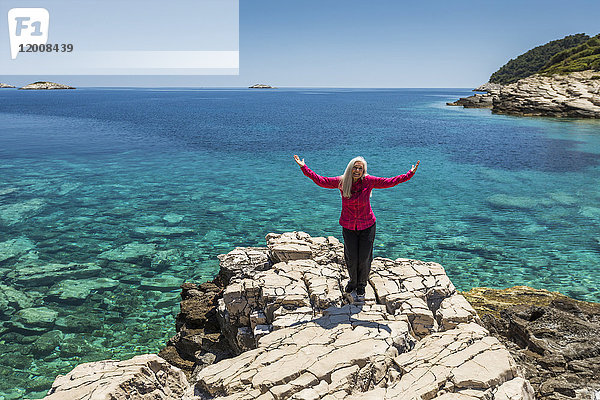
x=111, y=198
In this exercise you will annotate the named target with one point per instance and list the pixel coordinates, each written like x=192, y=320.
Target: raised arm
x=382, y=183
x=323, y=181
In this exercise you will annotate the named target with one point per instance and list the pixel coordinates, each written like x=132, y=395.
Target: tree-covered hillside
x=580, y=58
x=536, y=59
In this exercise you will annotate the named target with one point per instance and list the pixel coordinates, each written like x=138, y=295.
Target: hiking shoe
x=349, y=288
x=360, y=291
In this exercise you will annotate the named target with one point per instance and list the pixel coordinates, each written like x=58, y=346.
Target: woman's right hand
x=299, y=161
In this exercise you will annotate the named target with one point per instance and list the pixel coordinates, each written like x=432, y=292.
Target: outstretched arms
x=323, y=181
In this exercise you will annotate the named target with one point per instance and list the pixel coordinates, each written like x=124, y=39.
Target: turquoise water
x=142, y=188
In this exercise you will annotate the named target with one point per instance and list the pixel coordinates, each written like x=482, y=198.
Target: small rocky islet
x=275, y=324
x=40, y=85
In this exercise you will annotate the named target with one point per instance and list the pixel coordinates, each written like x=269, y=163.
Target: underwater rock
x=168, y=231
x=78, y=323
x=553, y=338
x=590, y=212
x=47, y=274
x=134, y=253
x=163, y=284
x=464, y=244
x=33, y=320
x=14, y=248
x=12, y=299
x=47, y=343
x=11, y=214
x=518, y=202
x=173, y=218
x=77, y=291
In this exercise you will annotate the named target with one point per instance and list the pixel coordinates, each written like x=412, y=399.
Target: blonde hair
x=346, y=179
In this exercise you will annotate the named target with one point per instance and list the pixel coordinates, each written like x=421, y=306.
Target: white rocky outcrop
x=300, y=337
x=145, y=377
x=573, y=95
x=297, y=335
x=45, y=86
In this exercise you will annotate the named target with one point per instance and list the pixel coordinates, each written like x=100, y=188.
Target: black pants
x=358, y=253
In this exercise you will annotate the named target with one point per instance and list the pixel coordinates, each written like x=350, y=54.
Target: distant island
x=4, y=85
x=41, y=85
x=261, y=86
x=559, y=79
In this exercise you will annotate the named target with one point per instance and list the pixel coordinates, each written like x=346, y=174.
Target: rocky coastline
x=574, y=95
x=275, y=324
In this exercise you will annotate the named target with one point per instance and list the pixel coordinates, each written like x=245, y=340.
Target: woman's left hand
x=414, y=167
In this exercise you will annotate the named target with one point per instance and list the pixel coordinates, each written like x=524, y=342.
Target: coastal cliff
x=276, y=324
x=558, y=79
x=575, y=95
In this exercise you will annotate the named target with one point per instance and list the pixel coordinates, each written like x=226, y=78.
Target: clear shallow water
x=145, y=187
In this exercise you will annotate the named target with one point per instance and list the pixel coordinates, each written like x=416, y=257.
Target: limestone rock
x=574, y=95
x=298, y=336
x=45, y=86
x=489, y=87
x=300, y=245
x=242, y=262
x=142, y=377
x=5, y=85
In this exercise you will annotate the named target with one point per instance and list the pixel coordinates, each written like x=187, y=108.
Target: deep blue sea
x=111, y=198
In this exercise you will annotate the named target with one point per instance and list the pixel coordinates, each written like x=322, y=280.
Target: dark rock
x=475, y=101
x=198, y=341
x=553, y=338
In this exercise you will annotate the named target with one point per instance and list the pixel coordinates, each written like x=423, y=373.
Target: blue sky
x=378, y=43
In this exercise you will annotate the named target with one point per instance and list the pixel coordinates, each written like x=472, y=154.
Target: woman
x=357, y=218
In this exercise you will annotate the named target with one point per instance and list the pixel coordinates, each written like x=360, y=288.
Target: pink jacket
x=356, y=211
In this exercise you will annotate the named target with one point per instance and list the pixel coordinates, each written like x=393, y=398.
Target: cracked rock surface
x=276, y=324
x=574, y=95
x=143, y=377
x=299, y=336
